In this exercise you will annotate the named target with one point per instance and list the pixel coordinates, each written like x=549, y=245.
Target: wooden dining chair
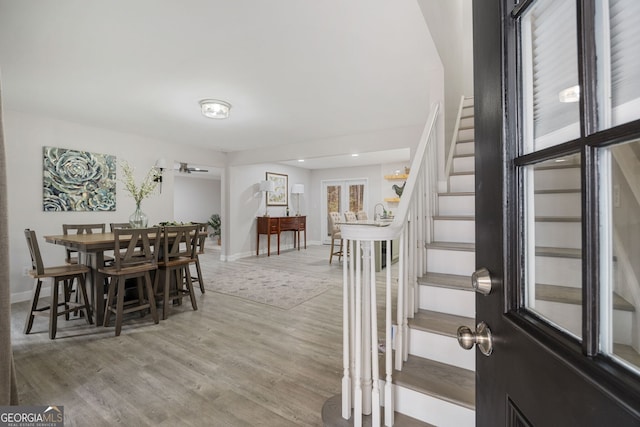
x=178, y=252
x=67, y=275
x=136, y=255
x=73, y=256
x=202, y=236
x=114, y=225
x=334, y=230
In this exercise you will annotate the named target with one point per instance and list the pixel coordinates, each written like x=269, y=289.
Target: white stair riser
x=447, y=300
x=466, y=135
x=429, y=409
x=464, y=164
x=569, y=316
x=444, y=349
x=467, y=122
x=465, y=148
x=467, y=111
x=558, y=204
x=557, y=179
x=450, y=261
x=462, y=183
x=559, y=234
x=457, y=205
x=458, y=231
x=559, y=271
x=468, y=102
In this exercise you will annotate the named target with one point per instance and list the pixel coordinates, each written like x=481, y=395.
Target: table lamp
x=297, y=189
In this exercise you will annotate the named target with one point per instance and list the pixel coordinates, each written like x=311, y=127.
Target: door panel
x=540, y=372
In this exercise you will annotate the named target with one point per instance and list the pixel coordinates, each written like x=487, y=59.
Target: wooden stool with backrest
x=65, y=274
x=179, y=251
x=334, y=230
x=202, y=236
x=114, y=225
x=136, y=255
x=73, y=256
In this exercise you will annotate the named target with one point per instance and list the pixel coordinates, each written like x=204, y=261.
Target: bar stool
x=65, y=274
x=202, y=236
x=334, y=219
x=136, y=255
x=175, y=262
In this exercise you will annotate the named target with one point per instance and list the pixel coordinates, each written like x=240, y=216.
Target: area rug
x=282, y=289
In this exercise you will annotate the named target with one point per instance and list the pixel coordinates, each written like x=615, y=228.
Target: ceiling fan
x=184, y=168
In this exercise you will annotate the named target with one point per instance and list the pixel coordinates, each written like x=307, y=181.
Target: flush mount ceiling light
x=571, y=94
x=215, y=109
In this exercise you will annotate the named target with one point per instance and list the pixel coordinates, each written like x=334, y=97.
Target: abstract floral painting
x=78, y=180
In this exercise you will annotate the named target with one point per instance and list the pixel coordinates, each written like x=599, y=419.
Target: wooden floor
x=231, y=363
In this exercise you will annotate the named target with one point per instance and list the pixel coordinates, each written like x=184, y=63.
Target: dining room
x=267, y=357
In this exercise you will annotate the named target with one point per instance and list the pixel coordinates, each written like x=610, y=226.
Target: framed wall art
x=279, y=196
x=78, y=180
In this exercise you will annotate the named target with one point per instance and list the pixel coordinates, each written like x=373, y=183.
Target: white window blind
x=624, y=21
x=554, y=53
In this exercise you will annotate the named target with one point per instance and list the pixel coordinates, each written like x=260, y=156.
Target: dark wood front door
x=550, y=189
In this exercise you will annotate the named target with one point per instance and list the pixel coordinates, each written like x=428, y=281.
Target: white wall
x=195, y=199
x=450, y=24
x=25, y=135
x=248, y=203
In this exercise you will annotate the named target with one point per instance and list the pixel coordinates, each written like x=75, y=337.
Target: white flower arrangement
x=147, y=186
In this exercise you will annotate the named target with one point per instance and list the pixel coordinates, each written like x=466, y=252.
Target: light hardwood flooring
x=231, y=363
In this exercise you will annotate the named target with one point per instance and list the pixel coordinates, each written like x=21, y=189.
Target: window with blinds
x=550, y=62
x=624, y=28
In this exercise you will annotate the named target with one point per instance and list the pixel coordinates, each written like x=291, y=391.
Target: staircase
x=437, y=383
x=433, y=380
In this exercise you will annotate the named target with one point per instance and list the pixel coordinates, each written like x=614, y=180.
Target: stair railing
x=412, y=227
x=454, y=139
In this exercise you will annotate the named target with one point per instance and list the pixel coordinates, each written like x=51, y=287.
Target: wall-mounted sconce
x=267, y=186
x=297, y=189
x=161, y=165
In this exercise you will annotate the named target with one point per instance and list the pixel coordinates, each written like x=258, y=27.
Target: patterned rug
x=278, y=288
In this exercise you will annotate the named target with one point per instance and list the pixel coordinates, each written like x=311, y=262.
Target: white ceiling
x=295, y=71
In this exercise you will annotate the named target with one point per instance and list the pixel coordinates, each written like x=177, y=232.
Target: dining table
x=93, y=247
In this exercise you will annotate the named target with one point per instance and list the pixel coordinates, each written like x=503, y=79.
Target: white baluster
x=346, y=345
x=366, y=326
x=375, y=371
x=388, y=356
x=400, y=312
x=357, y=397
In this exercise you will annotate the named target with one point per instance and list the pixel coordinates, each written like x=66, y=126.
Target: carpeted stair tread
x=442, y=381
x=439, y=323
x=443, y=280
x=459, y=156
x=558, y=219
x=557, y=166
x=559, y=191
x=569, y=295
x=454, y=217
x=461, y=173
x=558, y=252
x=462, y=193
x=627, y=353
x=332, y=416
x=453, y=246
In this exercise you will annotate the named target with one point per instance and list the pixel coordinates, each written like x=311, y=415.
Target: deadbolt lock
x=481, y=281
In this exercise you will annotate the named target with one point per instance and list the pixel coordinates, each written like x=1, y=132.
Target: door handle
x=482, y=337
x=481, y=281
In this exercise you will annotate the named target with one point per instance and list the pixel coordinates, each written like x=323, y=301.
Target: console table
x=275, y=224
